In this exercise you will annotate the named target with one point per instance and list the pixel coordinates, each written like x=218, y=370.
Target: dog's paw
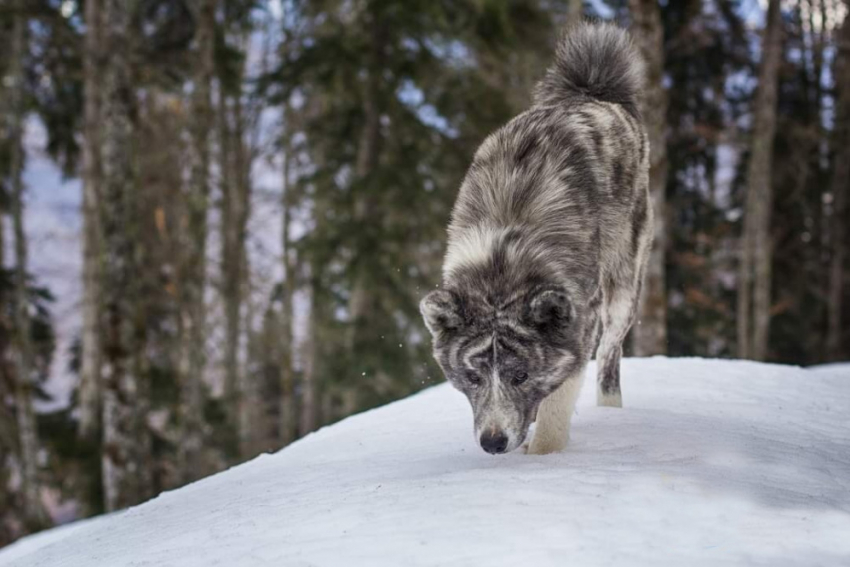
x=609, y=400
x=546, y=446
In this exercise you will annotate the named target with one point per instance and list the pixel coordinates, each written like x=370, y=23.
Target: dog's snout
x=494, y=442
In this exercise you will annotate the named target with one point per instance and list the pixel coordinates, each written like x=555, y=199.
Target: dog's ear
x=441, y=310
x=551, y=308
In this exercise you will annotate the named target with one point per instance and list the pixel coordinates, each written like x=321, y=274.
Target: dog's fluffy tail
x=596, y=61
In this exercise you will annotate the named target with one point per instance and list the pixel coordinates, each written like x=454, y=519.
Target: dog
x=547, y=248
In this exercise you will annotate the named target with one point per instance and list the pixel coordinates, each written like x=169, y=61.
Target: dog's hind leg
x=618, y=313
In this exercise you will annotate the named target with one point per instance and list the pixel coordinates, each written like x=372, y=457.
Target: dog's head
x=506, y=358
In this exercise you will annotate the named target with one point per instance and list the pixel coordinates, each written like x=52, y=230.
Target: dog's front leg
x=552, y=431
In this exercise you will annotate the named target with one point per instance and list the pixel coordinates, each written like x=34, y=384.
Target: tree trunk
x=288, y=426
x=192, y=284
x=235, y=208
x=123, y=426
x=33, y=512
x=840, y=188
x=755, y=265
x=89, y=392
x=312, y=352
x=650, y=333
x=288, y=418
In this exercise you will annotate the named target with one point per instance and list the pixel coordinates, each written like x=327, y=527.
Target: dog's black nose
x=494, y=443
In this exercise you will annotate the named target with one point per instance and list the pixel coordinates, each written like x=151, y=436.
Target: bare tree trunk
x=250, y=411
x=288, y=430
x=235, y=209
x=90, y=359
x=650, y=333
x=123, y=426
x=288, y=418
x=756, y=254
x=230, y=285
x=33, y=512
x=192, y=353
x=840, y=188
x=312, y=352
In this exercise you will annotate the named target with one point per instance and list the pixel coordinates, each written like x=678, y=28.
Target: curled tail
x=596, y=61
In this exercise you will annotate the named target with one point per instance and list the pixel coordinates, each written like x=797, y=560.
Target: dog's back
x=555, y=188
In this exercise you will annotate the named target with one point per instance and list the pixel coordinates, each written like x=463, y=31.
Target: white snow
x=709, y=463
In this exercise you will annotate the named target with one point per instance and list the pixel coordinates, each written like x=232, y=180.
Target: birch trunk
x=123, y=427
x=756, y=254
x=840, y=188
x=33, y=512
x=90, y=358
x=650, y=332
x=192, y=351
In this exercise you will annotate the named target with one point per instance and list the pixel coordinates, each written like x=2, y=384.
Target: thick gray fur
x=547, y=248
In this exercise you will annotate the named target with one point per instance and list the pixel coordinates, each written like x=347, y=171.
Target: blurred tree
x=289, y=199
x=90, y=385
x=650, y=331
x=839, y=190
x=33, y=511
x=707, y=51
x=193, y=247
x=124, y=445
x=754, y=283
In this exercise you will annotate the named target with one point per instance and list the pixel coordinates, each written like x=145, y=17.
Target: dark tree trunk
x=839, y=188
x=754, y=280
x=192, y=284
x=33, y=513
x=124, y=431
x=90, y=356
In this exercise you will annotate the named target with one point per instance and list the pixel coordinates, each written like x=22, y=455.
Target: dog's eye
x=519, y=378
x=473, y=378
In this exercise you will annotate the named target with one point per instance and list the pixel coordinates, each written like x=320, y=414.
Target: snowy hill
x=709, y=463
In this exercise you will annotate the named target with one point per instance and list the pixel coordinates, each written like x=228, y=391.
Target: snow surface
x=709, y=463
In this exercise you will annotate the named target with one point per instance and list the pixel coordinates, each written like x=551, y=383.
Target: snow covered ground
x=710, y=463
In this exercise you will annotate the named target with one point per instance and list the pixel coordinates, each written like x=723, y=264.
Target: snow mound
x=709, y=463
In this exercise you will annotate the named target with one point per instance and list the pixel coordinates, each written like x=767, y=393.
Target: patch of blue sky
x=412, y=97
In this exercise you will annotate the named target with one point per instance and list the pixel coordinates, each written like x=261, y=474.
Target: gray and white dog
x=548, y=242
